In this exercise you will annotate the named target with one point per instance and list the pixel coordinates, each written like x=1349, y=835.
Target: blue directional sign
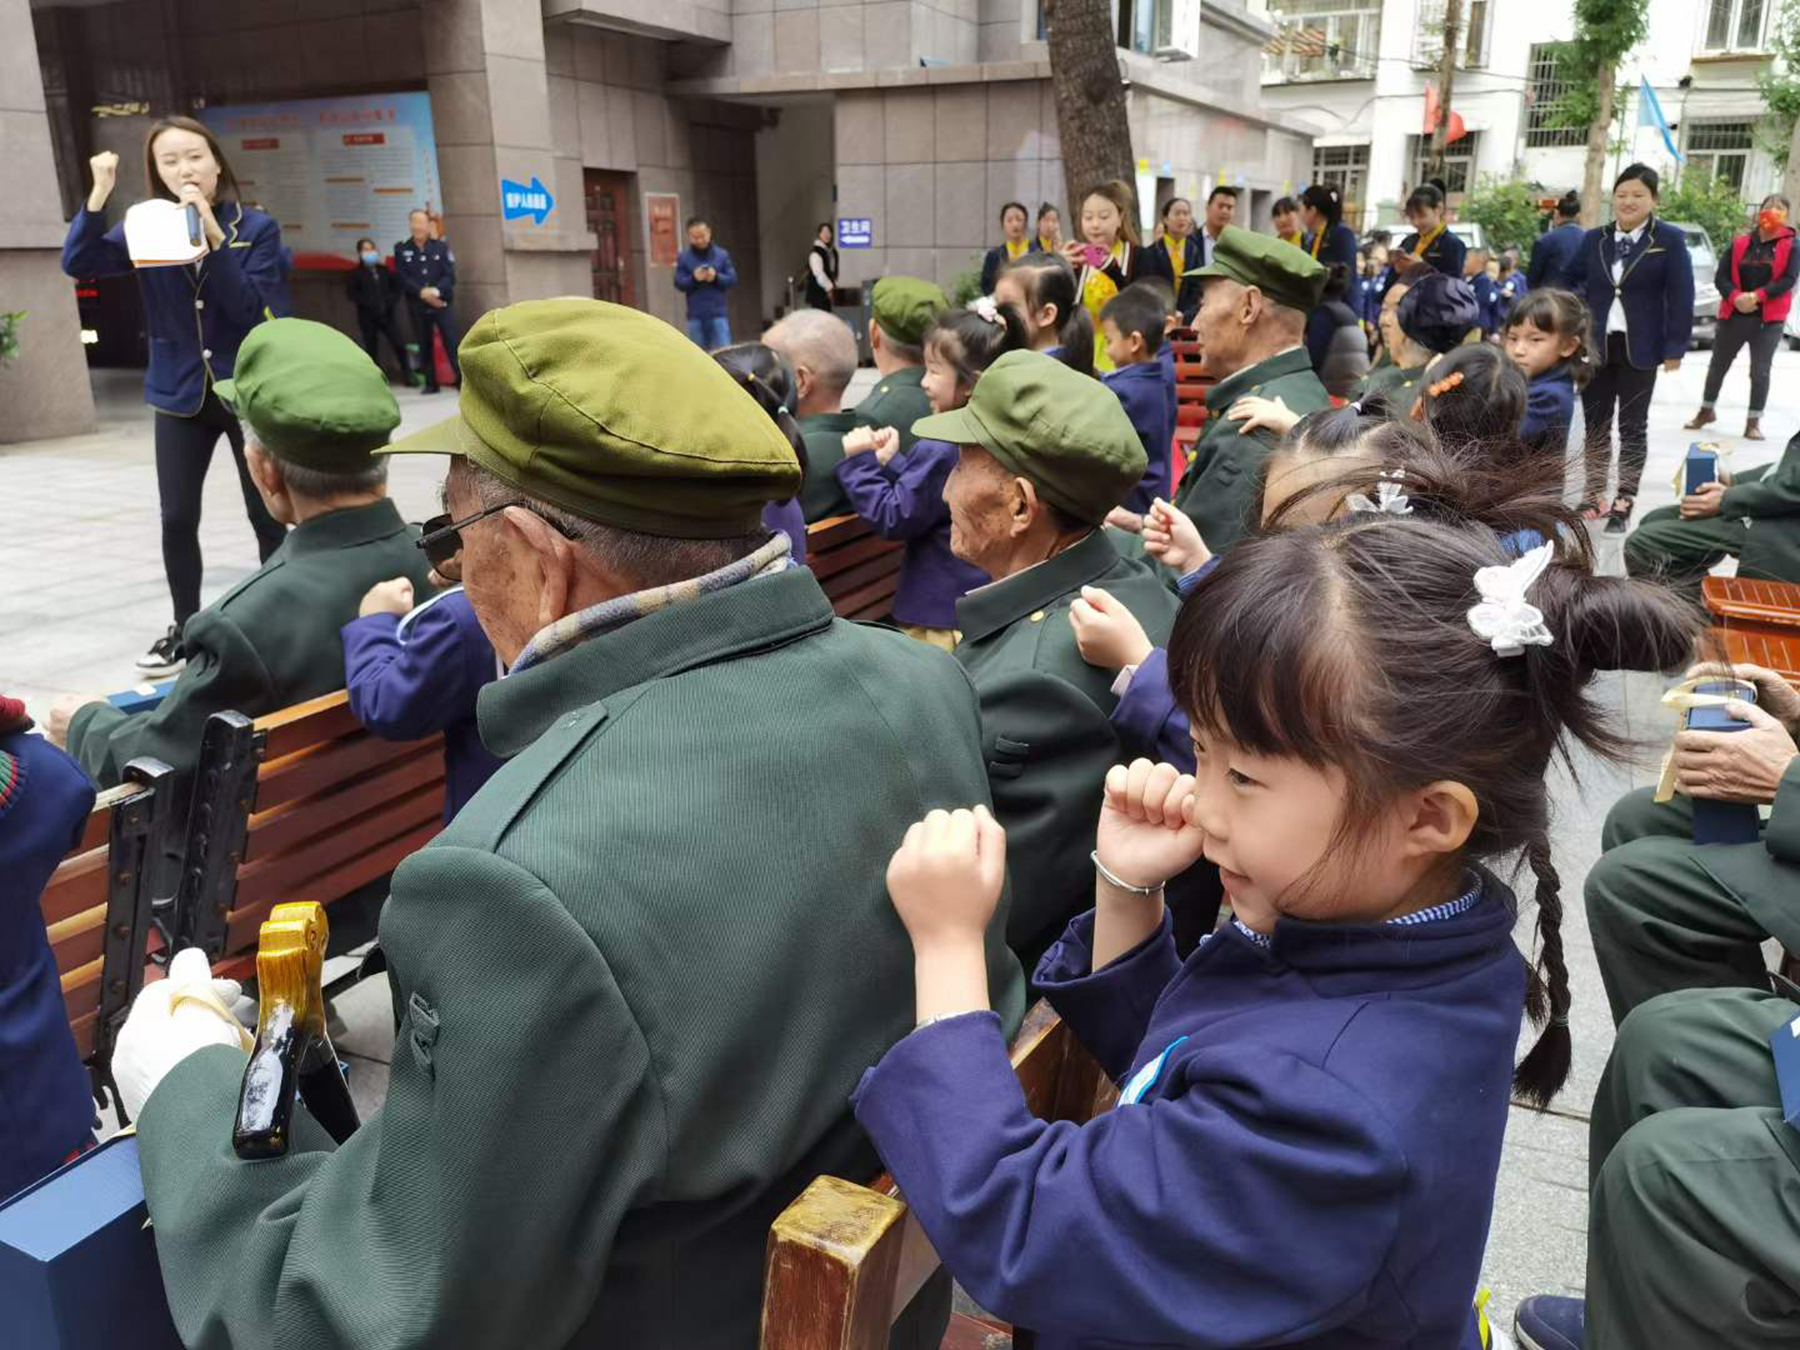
x=518, y=201
x=855, y=233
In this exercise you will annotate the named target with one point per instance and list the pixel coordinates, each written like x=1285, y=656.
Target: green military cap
x=905, y=307
x=616, y=417
x=311, y=396
x=1287, y=275
x=1065, y=431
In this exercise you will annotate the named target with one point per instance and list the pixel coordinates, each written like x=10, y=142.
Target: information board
x=662, y=219
x=332, y=170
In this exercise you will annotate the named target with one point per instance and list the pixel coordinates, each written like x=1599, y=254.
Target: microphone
x=193, y=219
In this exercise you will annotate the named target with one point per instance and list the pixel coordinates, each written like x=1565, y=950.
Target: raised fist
x=105, y=167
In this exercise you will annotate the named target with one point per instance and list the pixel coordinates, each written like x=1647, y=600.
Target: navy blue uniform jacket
x=1339, y=247
x=705, y=299
x=429, y=264
x=1549, y=409
x=1144, y=392
x=1657, y=288
x=1556, y=259
x=997, y=258
x=46, y=1110
x=410, y=676
x=197, y=317
x=1193, y=258
x=1311, y=1164
x=905, y=500
x=1444, y=254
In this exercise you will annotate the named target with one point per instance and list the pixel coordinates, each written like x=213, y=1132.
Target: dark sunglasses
x=441, y=537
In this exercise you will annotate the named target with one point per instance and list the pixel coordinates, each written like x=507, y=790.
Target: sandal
x=1618, y=519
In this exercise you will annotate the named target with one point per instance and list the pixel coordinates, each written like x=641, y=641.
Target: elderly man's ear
x=270, y=485
x=554, y=556
x=1025, y=506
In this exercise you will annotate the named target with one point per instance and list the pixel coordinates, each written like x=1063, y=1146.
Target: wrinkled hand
x=1735, y=766
x=1144, y=836
x=887, y=444
x=945, y=880
x=1774, y=695
x=171, y=1020
x=1746, y=302
x=388, y=597
x=1262, y=413
x=1121, y=519
x=1172, y=538
x=1108, y=634
x=62, y=712
x=1705, y=502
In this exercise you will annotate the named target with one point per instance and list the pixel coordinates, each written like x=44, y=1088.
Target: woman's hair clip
x=984, y=306
x=1389, y=500
x=1445, y=385
x=1503, y=618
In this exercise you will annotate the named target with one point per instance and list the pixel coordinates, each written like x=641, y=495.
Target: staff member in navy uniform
x=1430, y=246
x=1556, y=257
x=1639, y=285
x=1327, y=237
x=197, y=315
x=427, y=271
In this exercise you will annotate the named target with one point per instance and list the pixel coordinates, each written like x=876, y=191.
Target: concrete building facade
x=766, y=116
x=1357, y=70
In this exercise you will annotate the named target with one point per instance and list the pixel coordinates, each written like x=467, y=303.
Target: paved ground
x=86, y=594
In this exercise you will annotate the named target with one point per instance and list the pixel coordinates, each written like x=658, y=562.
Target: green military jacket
x=896, y=401
x=1398, y=384
x=1225, y=468
x=271, y=641
x=1770, y=496
x=822, y=496
x=1046, y=730
x=642, y=971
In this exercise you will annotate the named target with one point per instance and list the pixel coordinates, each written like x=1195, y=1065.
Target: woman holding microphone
x=196, y=315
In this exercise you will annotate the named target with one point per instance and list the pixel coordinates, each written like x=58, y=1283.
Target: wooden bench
x=858, y=569
x=98, y=910
x=844, y=1260
x=1758, y=623
x=302, y=804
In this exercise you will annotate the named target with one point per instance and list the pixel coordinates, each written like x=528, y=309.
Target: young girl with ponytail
x=1041, y=288
x=1310, y=1125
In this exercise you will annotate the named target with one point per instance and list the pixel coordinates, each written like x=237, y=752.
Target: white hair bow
x=987, y=309
x=1390, y=497
x=1504, y=618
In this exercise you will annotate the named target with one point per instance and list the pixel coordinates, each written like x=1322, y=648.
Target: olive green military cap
x=311, y=395
x=1064, y=431
x=614, y=416
x=905, y=307
x=1287, y=275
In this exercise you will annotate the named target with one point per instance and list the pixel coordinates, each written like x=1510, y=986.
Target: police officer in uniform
x=427, y=271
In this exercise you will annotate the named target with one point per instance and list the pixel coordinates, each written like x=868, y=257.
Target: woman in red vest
x=1756, y=288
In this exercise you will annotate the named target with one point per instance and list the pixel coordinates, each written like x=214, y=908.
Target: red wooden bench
x=858, y=569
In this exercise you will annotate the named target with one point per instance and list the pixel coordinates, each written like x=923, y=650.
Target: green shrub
x=1697, y=198
x=1507, y=211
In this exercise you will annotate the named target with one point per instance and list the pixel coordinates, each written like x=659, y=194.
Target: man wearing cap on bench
x=645, y=966
x=317, y=408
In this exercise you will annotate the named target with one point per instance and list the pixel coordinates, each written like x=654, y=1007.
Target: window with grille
x=1322, y=40
x=1428, y=41
x=1720, y=150
x=1346, y=168
x=1735, y=25
x=1459, y=161
x=1544, y=127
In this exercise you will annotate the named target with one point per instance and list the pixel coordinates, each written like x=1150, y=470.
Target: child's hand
x=1172, y=538
x=945, y=880
x=1108, y=633
x=1121, y=519
x=887, y=444
x=1259, y=413
x=857, y=440
x=387, y=597
x=1144, y=836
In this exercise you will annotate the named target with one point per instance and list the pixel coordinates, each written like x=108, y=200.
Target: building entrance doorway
x=609, y=217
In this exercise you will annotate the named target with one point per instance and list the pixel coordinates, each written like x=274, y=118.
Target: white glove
x=170, y=1020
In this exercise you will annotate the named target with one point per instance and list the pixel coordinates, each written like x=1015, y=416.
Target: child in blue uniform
x=902, y=494
x=1546, y=337
x=1313, y=1104
x=1132, y=326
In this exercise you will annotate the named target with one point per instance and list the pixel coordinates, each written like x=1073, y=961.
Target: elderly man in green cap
x=317, y=409
x=901, y=310
x=645, y=966
x=821, y=350
x=1255, y=296
x=1044, y=454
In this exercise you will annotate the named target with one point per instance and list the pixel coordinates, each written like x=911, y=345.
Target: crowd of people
x=1233, y=766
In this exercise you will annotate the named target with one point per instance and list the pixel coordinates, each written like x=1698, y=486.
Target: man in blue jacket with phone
x=704, y=273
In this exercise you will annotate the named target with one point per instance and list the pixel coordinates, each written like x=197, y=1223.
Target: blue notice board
x=855, y=233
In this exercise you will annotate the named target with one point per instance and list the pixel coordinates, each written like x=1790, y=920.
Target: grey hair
x=908, y=353
x=643, y=560
x=821, y=342
x=321, y=485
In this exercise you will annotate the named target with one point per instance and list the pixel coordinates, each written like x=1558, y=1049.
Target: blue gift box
x=1701, y=466
x=142, y=697
x=1723, y=822
x=77, y=1263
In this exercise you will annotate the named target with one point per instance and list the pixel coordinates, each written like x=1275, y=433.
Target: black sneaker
x=1618, y=522
x=165, y=657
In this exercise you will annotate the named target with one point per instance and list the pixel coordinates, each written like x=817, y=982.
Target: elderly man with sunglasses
x=642, y=970
x=316, y=408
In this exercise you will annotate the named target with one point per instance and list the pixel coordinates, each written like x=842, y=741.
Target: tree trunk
x=1593, y=173
x=1790, y=187
x=1090, y=101
x=1440, y=135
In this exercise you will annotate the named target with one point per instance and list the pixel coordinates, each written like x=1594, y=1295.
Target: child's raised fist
x=1144, y=836
x=887, y=444
x=1107, y=633
x=945, y=880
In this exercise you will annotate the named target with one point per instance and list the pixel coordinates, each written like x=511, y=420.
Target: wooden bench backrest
x=844, y=1260
x=302, y=804
x=97, y=906
x=858, y=570
x=1738, y=601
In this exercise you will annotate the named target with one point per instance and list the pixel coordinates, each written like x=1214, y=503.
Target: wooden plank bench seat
x=858, y=570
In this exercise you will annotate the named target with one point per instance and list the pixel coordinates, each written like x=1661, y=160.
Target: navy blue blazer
x=1657, y=289
x=1339, y=247
x=997, y=258
x=197, y=316
x=1193, y=258
x=1556, y=259
x=46, y=1107
x=1444, y=254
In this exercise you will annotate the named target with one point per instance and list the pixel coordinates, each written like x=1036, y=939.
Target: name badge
x=1784, y=1041
x=1145, y=1078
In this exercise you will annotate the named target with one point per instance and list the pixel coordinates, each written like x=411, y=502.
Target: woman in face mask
x=375, y=290
x=1756, y=288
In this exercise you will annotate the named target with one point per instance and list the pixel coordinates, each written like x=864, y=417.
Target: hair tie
x=984, y=306
x=1390, y=497
x=1445, y=385
x=1503, y=618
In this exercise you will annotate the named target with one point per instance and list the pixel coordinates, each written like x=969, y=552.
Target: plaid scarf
x=572, y=630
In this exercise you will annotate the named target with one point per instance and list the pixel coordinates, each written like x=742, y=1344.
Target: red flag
x=1456, y=130
x=1431, y=108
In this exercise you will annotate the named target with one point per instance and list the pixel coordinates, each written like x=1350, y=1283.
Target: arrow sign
x=518, y=201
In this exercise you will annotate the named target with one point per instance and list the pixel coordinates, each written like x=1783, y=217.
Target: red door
x=609, y=217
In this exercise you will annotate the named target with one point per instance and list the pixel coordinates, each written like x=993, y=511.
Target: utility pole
x=1446, y=78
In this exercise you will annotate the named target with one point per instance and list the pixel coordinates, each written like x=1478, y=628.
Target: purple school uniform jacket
x=410, y=676
x=1307, y=1158
x=1146, y=395
x=905, y=500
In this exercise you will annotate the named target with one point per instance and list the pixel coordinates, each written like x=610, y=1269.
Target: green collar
x=1003, y=603
x=844, y=420
x=908, y=376
x=344, y=529
x=755, y=616
x=1236, y=385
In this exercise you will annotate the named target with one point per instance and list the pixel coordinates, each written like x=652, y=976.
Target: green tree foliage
x=1605, y=33
x=1780, y=83
x=1696, y=198
x=9, y=335
x=1507, y=211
